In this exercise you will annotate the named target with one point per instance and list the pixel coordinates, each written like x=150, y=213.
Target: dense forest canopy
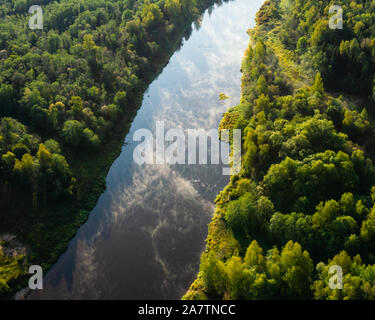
x=63, y=90
x=305, y=197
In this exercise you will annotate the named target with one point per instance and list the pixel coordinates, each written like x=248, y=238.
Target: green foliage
x=358, y=279
x=306, y=190
x=318, y=85
x=223, y=96
x=260, y=277
x=213, y=274
x=302, y=45
x=11, y=268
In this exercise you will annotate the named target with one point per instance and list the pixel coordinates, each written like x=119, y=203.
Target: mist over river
x=144, y=238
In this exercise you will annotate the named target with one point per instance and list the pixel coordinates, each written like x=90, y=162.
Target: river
x=144, y=238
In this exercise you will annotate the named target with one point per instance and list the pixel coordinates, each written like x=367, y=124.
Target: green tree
x=213, y=274
x=76, y=104
x=73, y=132
x=318, y=84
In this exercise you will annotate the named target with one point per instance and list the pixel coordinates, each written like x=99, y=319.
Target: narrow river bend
x=144, y=238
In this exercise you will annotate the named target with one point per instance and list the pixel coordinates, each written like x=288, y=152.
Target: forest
x=305, y=197
x=68, y=93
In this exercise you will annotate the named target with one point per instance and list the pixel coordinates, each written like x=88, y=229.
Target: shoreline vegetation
x=59, y=132
x=304, y=200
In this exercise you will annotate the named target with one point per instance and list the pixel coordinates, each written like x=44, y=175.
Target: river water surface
x=144, y=238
